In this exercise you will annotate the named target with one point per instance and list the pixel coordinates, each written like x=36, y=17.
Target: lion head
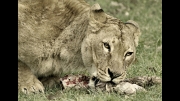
x=109, y=46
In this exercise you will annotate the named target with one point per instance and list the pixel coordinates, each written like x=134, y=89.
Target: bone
x=128, y=86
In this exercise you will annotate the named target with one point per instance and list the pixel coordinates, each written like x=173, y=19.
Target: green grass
x=148, y=13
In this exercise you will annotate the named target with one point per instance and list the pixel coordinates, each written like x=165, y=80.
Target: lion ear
x=97, y=13
x=136, y=32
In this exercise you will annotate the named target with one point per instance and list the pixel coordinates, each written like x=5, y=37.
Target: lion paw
x=27, y=81
x=32, y=85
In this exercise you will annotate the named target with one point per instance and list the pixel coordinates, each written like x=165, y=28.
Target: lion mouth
x=108, y=79
x=100, y=83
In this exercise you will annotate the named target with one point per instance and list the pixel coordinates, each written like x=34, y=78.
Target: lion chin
x=70, y=36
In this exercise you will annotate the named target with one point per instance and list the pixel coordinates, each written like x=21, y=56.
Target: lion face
x=112, y=53
x=108, y=51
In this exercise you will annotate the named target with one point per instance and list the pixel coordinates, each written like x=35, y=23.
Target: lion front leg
x=27, y=81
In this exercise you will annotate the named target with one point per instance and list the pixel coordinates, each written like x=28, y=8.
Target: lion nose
x=113, y=74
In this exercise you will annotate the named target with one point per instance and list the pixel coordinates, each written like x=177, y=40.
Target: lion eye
x=129, y=53
x=107, y=46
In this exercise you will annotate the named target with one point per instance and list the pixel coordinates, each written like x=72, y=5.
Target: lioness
x=56, y=36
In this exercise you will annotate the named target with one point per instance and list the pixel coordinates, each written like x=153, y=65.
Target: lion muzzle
x=115, y=76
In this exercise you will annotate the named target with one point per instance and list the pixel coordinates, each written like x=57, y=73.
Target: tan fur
x=57, y=36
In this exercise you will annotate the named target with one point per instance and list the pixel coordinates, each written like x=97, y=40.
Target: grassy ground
x=148, y=13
